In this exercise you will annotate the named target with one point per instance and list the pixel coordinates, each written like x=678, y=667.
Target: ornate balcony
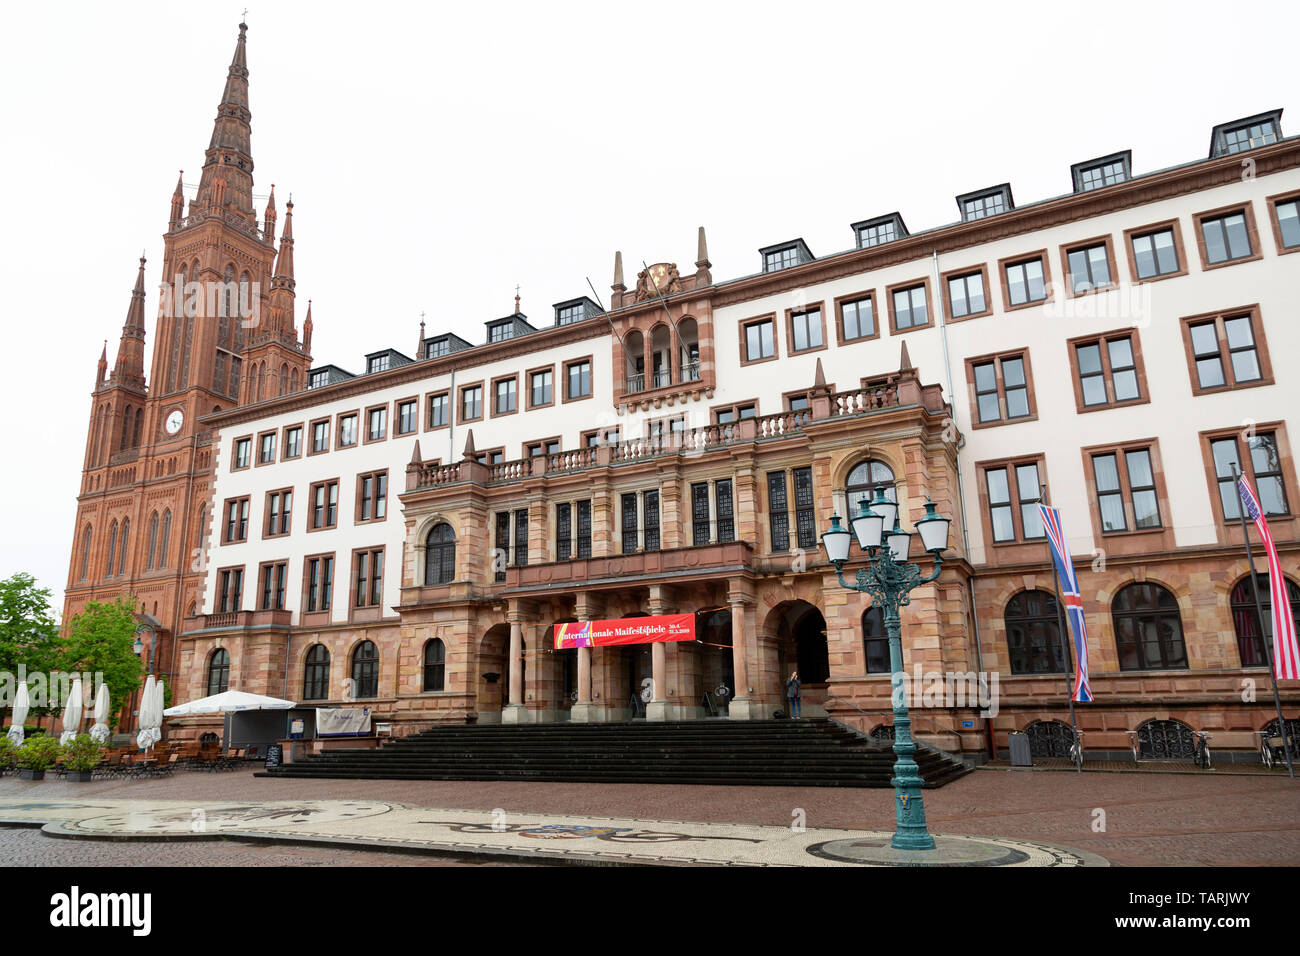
x=617, y=570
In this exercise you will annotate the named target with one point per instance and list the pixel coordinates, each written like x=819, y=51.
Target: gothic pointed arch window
x=293, y=380
x=126, y=538
x=875, y=641
x=85, y=551
x=365, y=669
x=1245, y=621
x=284, y=377
x=439, y=555
x=139, y=422
x=153, y=541
x=112, y=549
x=203, y=529
x=165, y=540
x=863, y=480
x=316, y=677
x=1034, y=634
x=1148, y=628
x=126, y=429
x=435, y=665
x=219, y=672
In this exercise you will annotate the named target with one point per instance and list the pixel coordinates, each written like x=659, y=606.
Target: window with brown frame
x=600, y=436
x=1226, y=350
x=505, y=395
x=324, y=505
x=856, y=317
x=242, y=454
x=545, y=446
x=730, y=414
x=272, y=576
x=292, y=442
x=966, y=293
x=236, y=527
x=347, y=430
x=318, y=583
x=320, y=436
x=1156, y=251
x=471, y=402
x=266, y=448
x=1264, y=467
x=437, y=411
x=758, y=340
x=1026, y=280
x=577, y=379
x=1002, y=389
x=408, y=417
x=1284, y=213
x=909, y=306
x=805, y=329
x=1089, y=266
x=491, y=456
x=1227, y=236
x=372, y=496
x=367, y=577
x=1124, y=483
x=1012, y=492
x=377, y=423
x=541, y=387
x=1108, y=370
x=279, y=506
x=230, y=594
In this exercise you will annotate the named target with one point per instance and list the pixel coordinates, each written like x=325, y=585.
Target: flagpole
x=1062, y=628
x=1259, y=610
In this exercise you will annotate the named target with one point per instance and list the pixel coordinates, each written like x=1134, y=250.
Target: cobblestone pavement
x=1144, y=819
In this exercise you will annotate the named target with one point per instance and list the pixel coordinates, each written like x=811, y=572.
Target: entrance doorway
x=801, y=645
x=717, y=666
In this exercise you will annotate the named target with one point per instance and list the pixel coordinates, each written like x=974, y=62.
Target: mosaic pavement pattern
x=501, y=833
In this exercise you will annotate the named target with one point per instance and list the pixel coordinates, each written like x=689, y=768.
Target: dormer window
x=985, y=203
x=318, y=379
x=878, y=231
x=574, y=313
x=575, y=310
x=785, y=256
x=1103, y=171
x=377, y=364
x=499, y=333
x=437, y=348
x=1248, y=133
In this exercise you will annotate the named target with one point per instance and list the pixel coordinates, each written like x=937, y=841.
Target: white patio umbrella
x=100, y=730
x=22, y=703
x=150, y=718
x=229, y=702
x=71, y=714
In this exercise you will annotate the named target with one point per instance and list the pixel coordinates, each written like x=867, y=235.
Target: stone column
x=657, y=708
x=742, y=707
x=515, y=711
x=584, y=709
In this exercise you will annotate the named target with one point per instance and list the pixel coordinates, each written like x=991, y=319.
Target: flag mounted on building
x=1072, y=599
x=1286, y=653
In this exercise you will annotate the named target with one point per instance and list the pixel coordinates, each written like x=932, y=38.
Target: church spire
x=268, y=222
x=128, y=370
x=101, y=372
x=178, y=202
x=284, y=265
x=306, y=330
x=229, y=157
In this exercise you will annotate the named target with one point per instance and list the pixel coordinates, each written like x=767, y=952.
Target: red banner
x=627, y=630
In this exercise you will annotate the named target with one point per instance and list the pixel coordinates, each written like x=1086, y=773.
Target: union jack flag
x=1286, y=655
x=1073, y=601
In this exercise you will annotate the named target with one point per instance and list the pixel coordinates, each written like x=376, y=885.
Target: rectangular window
x=981, y=207
x=1025, y=282
x=578, y=380
x=1107, y=371
x=378, y=364
x=1249, y=136
x=1225, y=238
x=563, y=531
x=778, y=514
x=724, y=508
x=700, y=513
x=1155, y=253
x=236, y=520
x=1264, y=470
x=243, y=451
x=266, y=449
x=806, y=330
x=502, y=556
x=1288, y=223
x=232, y=590
x=1013, y=496
x=760, y=341
x=372, y=496
x=1002, y=388
x=279, y=505
x=504, y=396
x=347, y=430
x=407, y=417
x=876, y=235
x=781, y=259
x=1226, y=351
x=438, y=410
x=319, y=378
x=501, y=332
x=324, y=504
x=1103, y=174
x=630, y=540
x=1126, y=490
x=273, y=577
x=521, y=537
x=651, y=505
x=805, y=520
x=966, y=295
x=320, y=437
x=584, y=528
x=570, y=314
x=1088, y=268
x=857, y=318
x=909, y=308
x=320, y=583
x=471, y=403
x=540, y=388
x=369, y=579
x=377, y=423
x=293, y=442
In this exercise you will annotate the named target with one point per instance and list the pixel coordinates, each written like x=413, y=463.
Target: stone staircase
x=804, y=753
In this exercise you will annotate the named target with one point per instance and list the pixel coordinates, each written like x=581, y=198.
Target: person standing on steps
x=792, y=693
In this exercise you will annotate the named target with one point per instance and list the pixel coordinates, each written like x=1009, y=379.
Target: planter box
x=31, y=774
x=79, y=776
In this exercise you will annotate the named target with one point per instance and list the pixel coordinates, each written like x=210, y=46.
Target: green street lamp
x=888, y=578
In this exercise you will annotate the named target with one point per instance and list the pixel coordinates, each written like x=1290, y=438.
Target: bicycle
x=1201, y=757
x=1076, y=750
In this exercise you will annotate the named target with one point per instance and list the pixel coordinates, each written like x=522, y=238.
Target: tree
x=101, y=639
x=28, y=635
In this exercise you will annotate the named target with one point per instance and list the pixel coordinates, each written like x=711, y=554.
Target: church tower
x=225, y=308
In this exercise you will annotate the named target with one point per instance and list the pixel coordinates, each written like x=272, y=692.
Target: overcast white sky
x=438, y=154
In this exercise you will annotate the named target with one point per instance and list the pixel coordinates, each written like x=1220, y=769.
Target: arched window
x=1245, y=621
x=690, y=350
x=126, y=429
x=435, y=665
x=139, y=421
x=126, y=538
x=1049, y=738
x=166, y=538
x=661, y=356
x=864, y=479
x=219, y=672
x=1148, y=629
x=440, y=555
x=153, y=541
x=1034, y=634
x=1165, y=740
x=112, y=549
x=203, y=528
x=365, y=669
x=634, y=343
x=316, y=680
x=85, y=552
x=875, y=642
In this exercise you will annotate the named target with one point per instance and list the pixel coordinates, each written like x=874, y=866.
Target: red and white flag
x=1286, y=652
